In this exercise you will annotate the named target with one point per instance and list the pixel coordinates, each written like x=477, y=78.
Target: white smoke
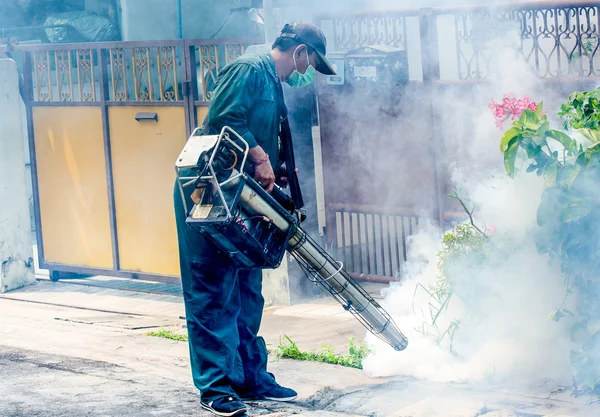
x=505, y=331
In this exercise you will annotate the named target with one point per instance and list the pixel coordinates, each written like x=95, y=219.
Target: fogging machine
x=255, y=228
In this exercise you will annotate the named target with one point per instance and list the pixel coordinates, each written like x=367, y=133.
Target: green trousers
x=224, y=307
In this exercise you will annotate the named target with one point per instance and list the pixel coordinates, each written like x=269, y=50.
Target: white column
x=16, y=251
x=276, y=285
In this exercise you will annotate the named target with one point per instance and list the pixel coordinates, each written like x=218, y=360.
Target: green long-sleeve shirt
x=248, y=97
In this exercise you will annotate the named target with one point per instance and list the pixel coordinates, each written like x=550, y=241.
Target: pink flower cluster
x=510, y=107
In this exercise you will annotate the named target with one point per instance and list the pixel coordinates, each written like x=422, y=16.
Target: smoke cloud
x=502, y=310
x=504, y=329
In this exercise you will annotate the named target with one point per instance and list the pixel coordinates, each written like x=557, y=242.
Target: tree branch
x=470, y=214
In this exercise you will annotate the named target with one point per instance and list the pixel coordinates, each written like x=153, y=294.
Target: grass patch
x=289, y=349
x=166, y=334
x=357, y=352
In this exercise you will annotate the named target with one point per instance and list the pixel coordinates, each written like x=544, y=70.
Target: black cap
x=310, y=35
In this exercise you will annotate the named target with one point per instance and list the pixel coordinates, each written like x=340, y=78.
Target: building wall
x=157, y=19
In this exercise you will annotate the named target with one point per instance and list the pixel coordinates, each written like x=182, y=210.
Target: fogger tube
x=329, y=273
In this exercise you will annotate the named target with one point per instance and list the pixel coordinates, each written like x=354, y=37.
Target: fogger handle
x=286, y=202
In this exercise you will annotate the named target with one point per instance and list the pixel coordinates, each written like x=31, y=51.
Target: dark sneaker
x=277, y=393
x=225, y=406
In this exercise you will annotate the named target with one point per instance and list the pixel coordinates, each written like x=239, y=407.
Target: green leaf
x=590, y=134
x=593, y=149
x=557, y=315
x=575, y=210
x=567, y=174
x=565, y=140
x=530, y=120
x=533, y=150
x=542, y=132
x=583, y=160
x=593, y=324
x=510, y=156
x=578, y=359
x=550, y=174
x=507, y=137
x=540, y=109
x=593, y=342
x=547, y=210
x=570, y=241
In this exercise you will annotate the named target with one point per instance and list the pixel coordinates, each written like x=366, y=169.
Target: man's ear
x=300, y=50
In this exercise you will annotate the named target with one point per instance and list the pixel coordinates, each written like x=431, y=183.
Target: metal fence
x=558, y=39
x=372, y=243
x=137, y=71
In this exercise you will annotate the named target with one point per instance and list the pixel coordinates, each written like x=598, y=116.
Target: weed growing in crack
x=357, y=352
x=166, y=334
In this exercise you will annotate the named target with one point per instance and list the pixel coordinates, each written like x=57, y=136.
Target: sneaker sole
x=283, y=400
x=222, y=414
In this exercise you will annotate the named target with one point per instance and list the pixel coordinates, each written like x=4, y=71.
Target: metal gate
x=106, y=122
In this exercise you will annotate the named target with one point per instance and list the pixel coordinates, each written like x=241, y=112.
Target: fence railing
x=372, y=241
x=556, y=38
x=353, y=31
x=136, y=71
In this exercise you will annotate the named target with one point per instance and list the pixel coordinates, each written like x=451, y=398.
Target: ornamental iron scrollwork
x=354, y=32
x=555, y=41
x=142, y=75
x=118, y=74
x=85, y=74
x=42, y=75
x=64, y=78
x=209, y=69
x=233, y=51
x=167, y=73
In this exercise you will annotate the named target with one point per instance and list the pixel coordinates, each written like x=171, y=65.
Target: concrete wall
x=148, y=20
x=157, y=19
x=16, y=252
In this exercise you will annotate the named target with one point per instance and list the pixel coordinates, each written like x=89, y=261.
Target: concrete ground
x=79, y=350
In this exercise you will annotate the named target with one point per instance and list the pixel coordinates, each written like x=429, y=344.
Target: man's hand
x=264, y=176
x=263, y=172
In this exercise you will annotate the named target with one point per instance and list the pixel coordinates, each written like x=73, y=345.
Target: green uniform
x=248, y=98
x=223, y=304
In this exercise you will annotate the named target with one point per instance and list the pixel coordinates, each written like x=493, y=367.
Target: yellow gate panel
x=201, y=113
x=143, y=155
x=72, y=184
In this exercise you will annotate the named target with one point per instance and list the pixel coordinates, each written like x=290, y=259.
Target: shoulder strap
x=287, y=151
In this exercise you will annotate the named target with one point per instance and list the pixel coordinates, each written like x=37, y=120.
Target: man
x=223, y=304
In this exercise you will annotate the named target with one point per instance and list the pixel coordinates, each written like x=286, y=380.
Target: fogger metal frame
x=197, y=145
x=320, y=267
